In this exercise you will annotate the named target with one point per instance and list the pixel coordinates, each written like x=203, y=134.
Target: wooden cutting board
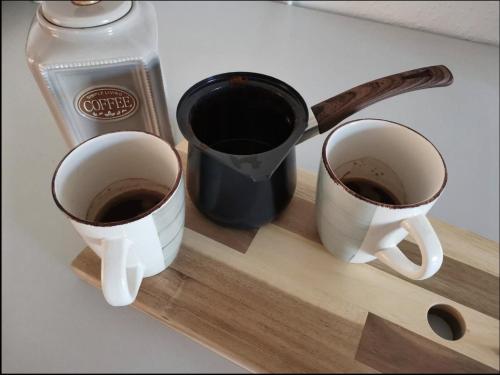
x=274, y=300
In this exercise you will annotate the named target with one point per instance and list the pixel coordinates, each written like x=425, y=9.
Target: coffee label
x=106, y=103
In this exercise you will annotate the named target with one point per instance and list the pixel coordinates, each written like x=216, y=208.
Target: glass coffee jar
x=97, y=66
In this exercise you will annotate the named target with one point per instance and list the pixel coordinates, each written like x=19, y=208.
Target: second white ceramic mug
x=137, y=247
x=357, y=229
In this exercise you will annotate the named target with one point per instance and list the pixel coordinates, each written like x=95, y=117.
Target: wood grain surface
x=455, y=280
x=390, y=348
x=243, y=320
x=274, y=300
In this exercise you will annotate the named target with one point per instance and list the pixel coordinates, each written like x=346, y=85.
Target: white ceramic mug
x=135, y=247
x=357, y=229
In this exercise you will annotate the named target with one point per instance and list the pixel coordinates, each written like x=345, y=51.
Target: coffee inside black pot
x=242, y=120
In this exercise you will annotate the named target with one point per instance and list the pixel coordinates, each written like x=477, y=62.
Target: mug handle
x=432, y=253
x=117, y=287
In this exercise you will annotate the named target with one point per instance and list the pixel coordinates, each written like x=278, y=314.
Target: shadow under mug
x=357, y=229
x=130, y=249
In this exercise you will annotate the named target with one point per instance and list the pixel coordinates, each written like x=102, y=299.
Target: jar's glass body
x=90, y=77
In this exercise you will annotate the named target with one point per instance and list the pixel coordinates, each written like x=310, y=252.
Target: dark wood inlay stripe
x=299, y=217
x=236, y=239
x=390, y=348
x=457, y=281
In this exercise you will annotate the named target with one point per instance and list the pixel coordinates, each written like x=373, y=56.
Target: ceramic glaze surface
x=357, y=229
x=133, y=248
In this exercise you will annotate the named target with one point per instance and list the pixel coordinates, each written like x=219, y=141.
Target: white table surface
x=53, y=322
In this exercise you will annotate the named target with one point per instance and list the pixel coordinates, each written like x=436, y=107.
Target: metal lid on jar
x=81, y=14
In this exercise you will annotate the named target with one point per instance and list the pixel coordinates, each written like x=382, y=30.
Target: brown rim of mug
x=127, y=221
x=398, y=206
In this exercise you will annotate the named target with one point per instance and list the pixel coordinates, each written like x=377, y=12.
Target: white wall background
x=470, y=20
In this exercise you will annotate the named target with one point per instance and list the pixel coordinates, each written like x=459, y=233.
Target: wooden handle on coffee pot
x=332, y=111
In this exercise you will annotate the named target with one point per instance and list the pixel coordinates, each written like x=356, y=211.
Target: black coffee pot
x=242, y=128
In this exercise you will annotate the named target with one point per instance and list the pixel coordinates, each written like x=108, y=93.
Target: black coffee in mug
x=128, y=205
x=371, y=190
x=125, y=200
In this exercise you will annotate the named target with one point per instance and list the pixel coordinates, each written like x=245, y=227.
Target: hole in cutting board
x=446, y=322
